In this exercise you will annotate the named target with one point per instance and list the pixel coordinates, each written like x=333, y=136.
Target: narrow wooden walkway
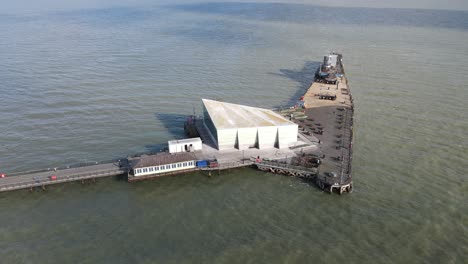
x=325, y=182
x=283, y=168
x=229, y=165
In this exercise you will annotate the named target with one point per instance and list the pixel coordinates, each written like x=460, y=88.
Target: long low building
x=233, y=126
x=162, y=163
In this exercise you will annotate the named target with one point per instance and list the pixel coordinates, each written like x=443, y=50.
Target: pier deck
x=327, y=118
x=41, y=179
x=287, y=169
x=331, y=121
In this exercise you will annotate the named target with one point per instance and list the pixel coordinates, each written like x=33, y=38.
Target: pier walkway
x=41, y=179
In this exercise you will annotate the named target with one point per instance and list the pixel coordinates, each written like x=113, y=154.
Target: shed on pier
x=185, y=145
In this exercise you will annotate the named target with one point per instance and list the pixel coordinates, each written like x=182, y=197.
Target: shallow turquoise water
x=90, y=85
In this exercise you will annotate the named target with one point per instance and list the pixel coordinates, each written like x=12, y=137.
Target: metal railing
x=64, y=167
x=287, y=166
x=346, y=150
x=229, y=165
x=60, y=179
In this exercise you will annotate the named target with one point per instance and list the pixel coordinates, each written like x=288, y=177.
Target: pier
x=312, y=140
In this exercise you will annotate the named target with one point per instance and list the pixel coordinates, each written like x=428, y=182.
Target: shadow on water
x=155, y=148
x=108, y=17
x=306, y=13
x=174, y=123
x=224, y=32
x=303, y=77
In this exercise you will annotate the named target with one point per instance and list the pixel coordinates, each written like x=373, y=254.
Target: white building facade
x=164, y=168
x=163, y=163
x=233, y=126
x=185, y=145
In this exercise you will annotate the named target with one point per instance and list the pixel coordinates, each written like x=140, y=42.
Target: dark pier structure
x=326, y=118
x=330, y=120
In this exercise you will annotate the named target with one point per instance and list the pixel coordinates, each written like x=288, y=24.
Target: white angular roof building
x=233, y=126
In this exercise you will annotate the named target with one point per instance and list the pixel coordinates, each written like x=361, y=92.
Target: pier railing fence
x=285, y=165
x=39, y=181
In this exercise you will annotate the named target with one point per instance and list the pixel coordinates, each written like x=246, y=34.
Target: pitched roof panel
x=161, y=159
x=227, y=115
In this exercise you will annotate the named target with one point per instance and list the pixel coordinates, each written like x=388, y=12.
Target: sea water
x=95, y=84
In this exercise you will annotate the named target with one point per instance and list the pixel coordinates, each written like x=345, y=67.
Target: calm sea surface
x=97, y=84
